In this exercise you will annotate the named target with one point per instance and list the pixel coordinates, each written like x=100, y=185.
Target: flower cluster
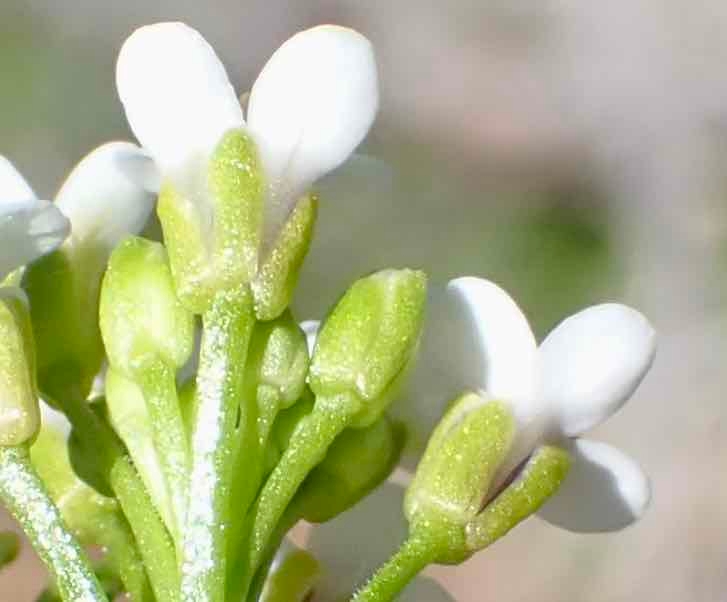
x=159, y=398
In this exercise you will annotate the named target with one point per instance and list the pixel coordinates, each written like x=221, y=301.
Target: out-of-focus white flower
x=312, y=104
x=29, y=227
x=353, y=545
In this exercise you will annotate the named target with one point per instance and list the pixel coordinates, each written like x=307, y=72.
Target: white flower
x=478, y=339
x=108, y=195
x=29, y=227
x=312, y=104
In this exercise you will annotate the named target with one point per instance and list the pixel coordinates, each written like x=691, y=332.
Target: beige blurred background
x=573, y=150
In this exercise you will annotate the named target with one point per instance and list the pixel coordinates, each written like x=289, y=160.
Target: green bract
x=141, y=318
x=19, y=411
x=212, y=222
x=368, y=340
x=275, y=281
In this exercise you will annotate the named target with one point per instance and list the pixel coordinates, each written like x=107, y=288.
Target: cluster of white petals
x=311, y=106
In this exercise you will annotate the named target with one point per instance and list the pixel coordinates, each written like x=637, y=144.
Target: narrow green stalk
x=307, y=448
x=412, y=557
x=154, y=542
x=157, y=382
x=24, y=495
x=227, y=329
x=123, y=557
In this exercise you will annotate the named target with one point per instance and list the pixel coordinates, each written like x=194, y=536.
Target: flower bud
x=19, y=410
x=357, y=462
x=451, y=499
x=369, y=339
x=140, y=316
x=277, y=365
x=275, y=281
x=212, y=225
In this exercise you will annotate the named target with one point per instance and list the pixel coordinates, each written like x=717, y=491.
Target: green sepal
x=129, y=417
x=369, y=339
x=463, y=454
x=140, y=316
x=357, y=462
x=63, y=288
x=275, y=282
x=212, y=223
x=19, y=409
x=539, y=480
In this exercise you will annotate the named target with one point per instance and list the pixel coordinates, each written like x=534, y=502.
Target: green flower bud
x=275, y=281
x=19, y=410
x=450, y=501
x=213, y=234
x=278, y=365
x=141, y=318
x=358, y=461
x=63, y=289
x=369, y=339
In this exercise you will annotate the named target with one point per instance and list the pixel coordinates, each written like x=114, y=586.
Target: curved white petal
x=592, y=362
x=475, y=339
x=178, y=99
x=605, y=490
x=353, y=545
x=14, y=190
x=311, y=106
x=29, y=227
x=310, y=328
x=107, y=196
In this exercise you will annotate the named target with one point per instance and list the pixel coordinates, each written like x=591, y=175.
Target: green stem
x=412, y=557
x=227, y=329
x=155, y=544
x=157, y=382
x=307, y=448
x=24, y=495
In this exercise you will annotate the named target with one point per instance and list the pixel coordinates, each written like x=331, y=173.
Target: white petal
x=605, y=490
x=14, y=190
x=107, y=195
x=311, y=106
x=592, y=363
x=475, y=339
x=353, y=545
x=310, y=328
x=29, y=232
x=178, y=99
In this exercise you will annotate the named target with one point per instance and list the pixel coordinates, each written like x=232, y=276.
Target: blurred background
x=573, y=151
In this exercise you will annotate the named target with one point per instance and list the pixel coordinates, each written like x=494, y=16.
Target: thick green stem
x=307, y=448
x=154, y=541
x=412, y=557
x=24, y=495
x=227, y=329
x=157, y=382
